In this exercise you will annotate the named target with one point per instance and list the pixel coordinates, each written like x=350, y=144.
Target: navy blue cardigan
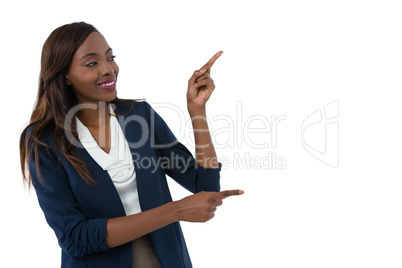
x=77, y=212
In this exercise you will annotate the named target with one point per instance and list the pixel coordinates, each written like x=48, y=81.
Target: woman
x=85, y=150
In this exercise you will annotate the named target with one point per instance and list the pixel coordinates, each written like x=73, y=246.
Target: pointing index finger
x=228, y=193
x=211, y=61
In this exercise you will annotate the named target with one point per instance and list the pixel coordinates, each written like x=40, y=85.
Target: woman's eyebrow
x=94, y=54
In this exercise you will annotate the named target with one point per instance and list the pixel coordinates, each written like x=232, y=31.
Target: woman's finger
x=228, y=193
x=206, y=82
x=193, y=78
x=217, y=202
x=203, y=77
x=208, y=65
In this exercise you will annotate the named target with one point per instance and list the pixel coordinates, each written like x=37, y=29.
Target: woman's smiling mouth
x=108, y=84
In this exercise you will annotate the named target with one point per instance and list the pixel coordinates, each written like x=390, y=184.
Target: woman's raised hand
x=201, y=207
x=201, y=85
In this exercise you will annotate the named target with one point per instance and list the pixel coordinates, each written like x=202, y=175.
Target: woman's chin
x=111, y=96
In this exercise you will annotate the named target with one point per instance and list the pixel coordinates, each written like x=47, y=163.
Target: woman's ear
x=67, y=81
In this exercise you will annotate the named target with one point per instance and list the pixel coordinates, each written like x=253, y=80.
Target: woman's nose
x=107, y=68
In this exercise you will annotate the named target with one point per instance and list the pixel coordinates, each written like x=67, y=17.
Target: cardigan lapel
x=132, y=124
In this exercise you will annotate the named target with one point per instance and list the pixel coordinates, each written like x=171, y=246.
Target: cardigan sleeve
x=76, y=234
x=177, y=160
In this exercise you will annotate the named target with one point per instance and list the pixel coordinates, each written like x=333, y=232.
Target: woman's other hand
x=201, y=207
x=201, y=85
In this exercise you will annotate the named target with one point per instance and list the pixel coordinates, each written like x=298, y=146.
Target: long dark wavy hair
x=55, y=99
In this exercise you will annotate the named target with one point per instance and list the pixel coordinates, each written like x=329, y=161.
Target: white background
x=280, y=58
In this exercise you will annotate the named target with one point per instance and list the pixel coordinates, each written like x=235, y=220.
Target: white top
x=118, y=162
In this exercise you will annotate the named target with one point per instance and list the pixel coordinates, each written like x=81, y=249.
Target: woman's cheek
x=91, y=78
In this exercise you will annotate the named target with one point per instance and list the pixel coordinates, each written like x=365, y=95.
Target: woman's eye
x=91, y=64
x=94, y=63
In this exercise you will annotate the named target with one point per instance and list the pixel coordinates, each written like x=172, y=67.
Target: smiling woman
x=105, y=207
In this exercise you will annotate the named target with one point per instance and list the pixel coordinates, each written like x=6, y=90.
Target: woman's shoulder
x=41, y=144
x=138, y=107
x=43, y=135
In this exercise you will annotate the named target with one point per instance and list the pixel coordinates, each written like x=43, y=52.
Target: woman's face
x=93, y=71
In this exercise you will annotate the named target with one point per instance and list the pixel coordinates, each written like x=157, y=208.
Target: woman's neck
x=95, y=116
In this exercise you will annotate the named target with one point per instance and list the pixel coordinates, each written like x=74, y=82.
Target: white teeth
x=108, y=84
